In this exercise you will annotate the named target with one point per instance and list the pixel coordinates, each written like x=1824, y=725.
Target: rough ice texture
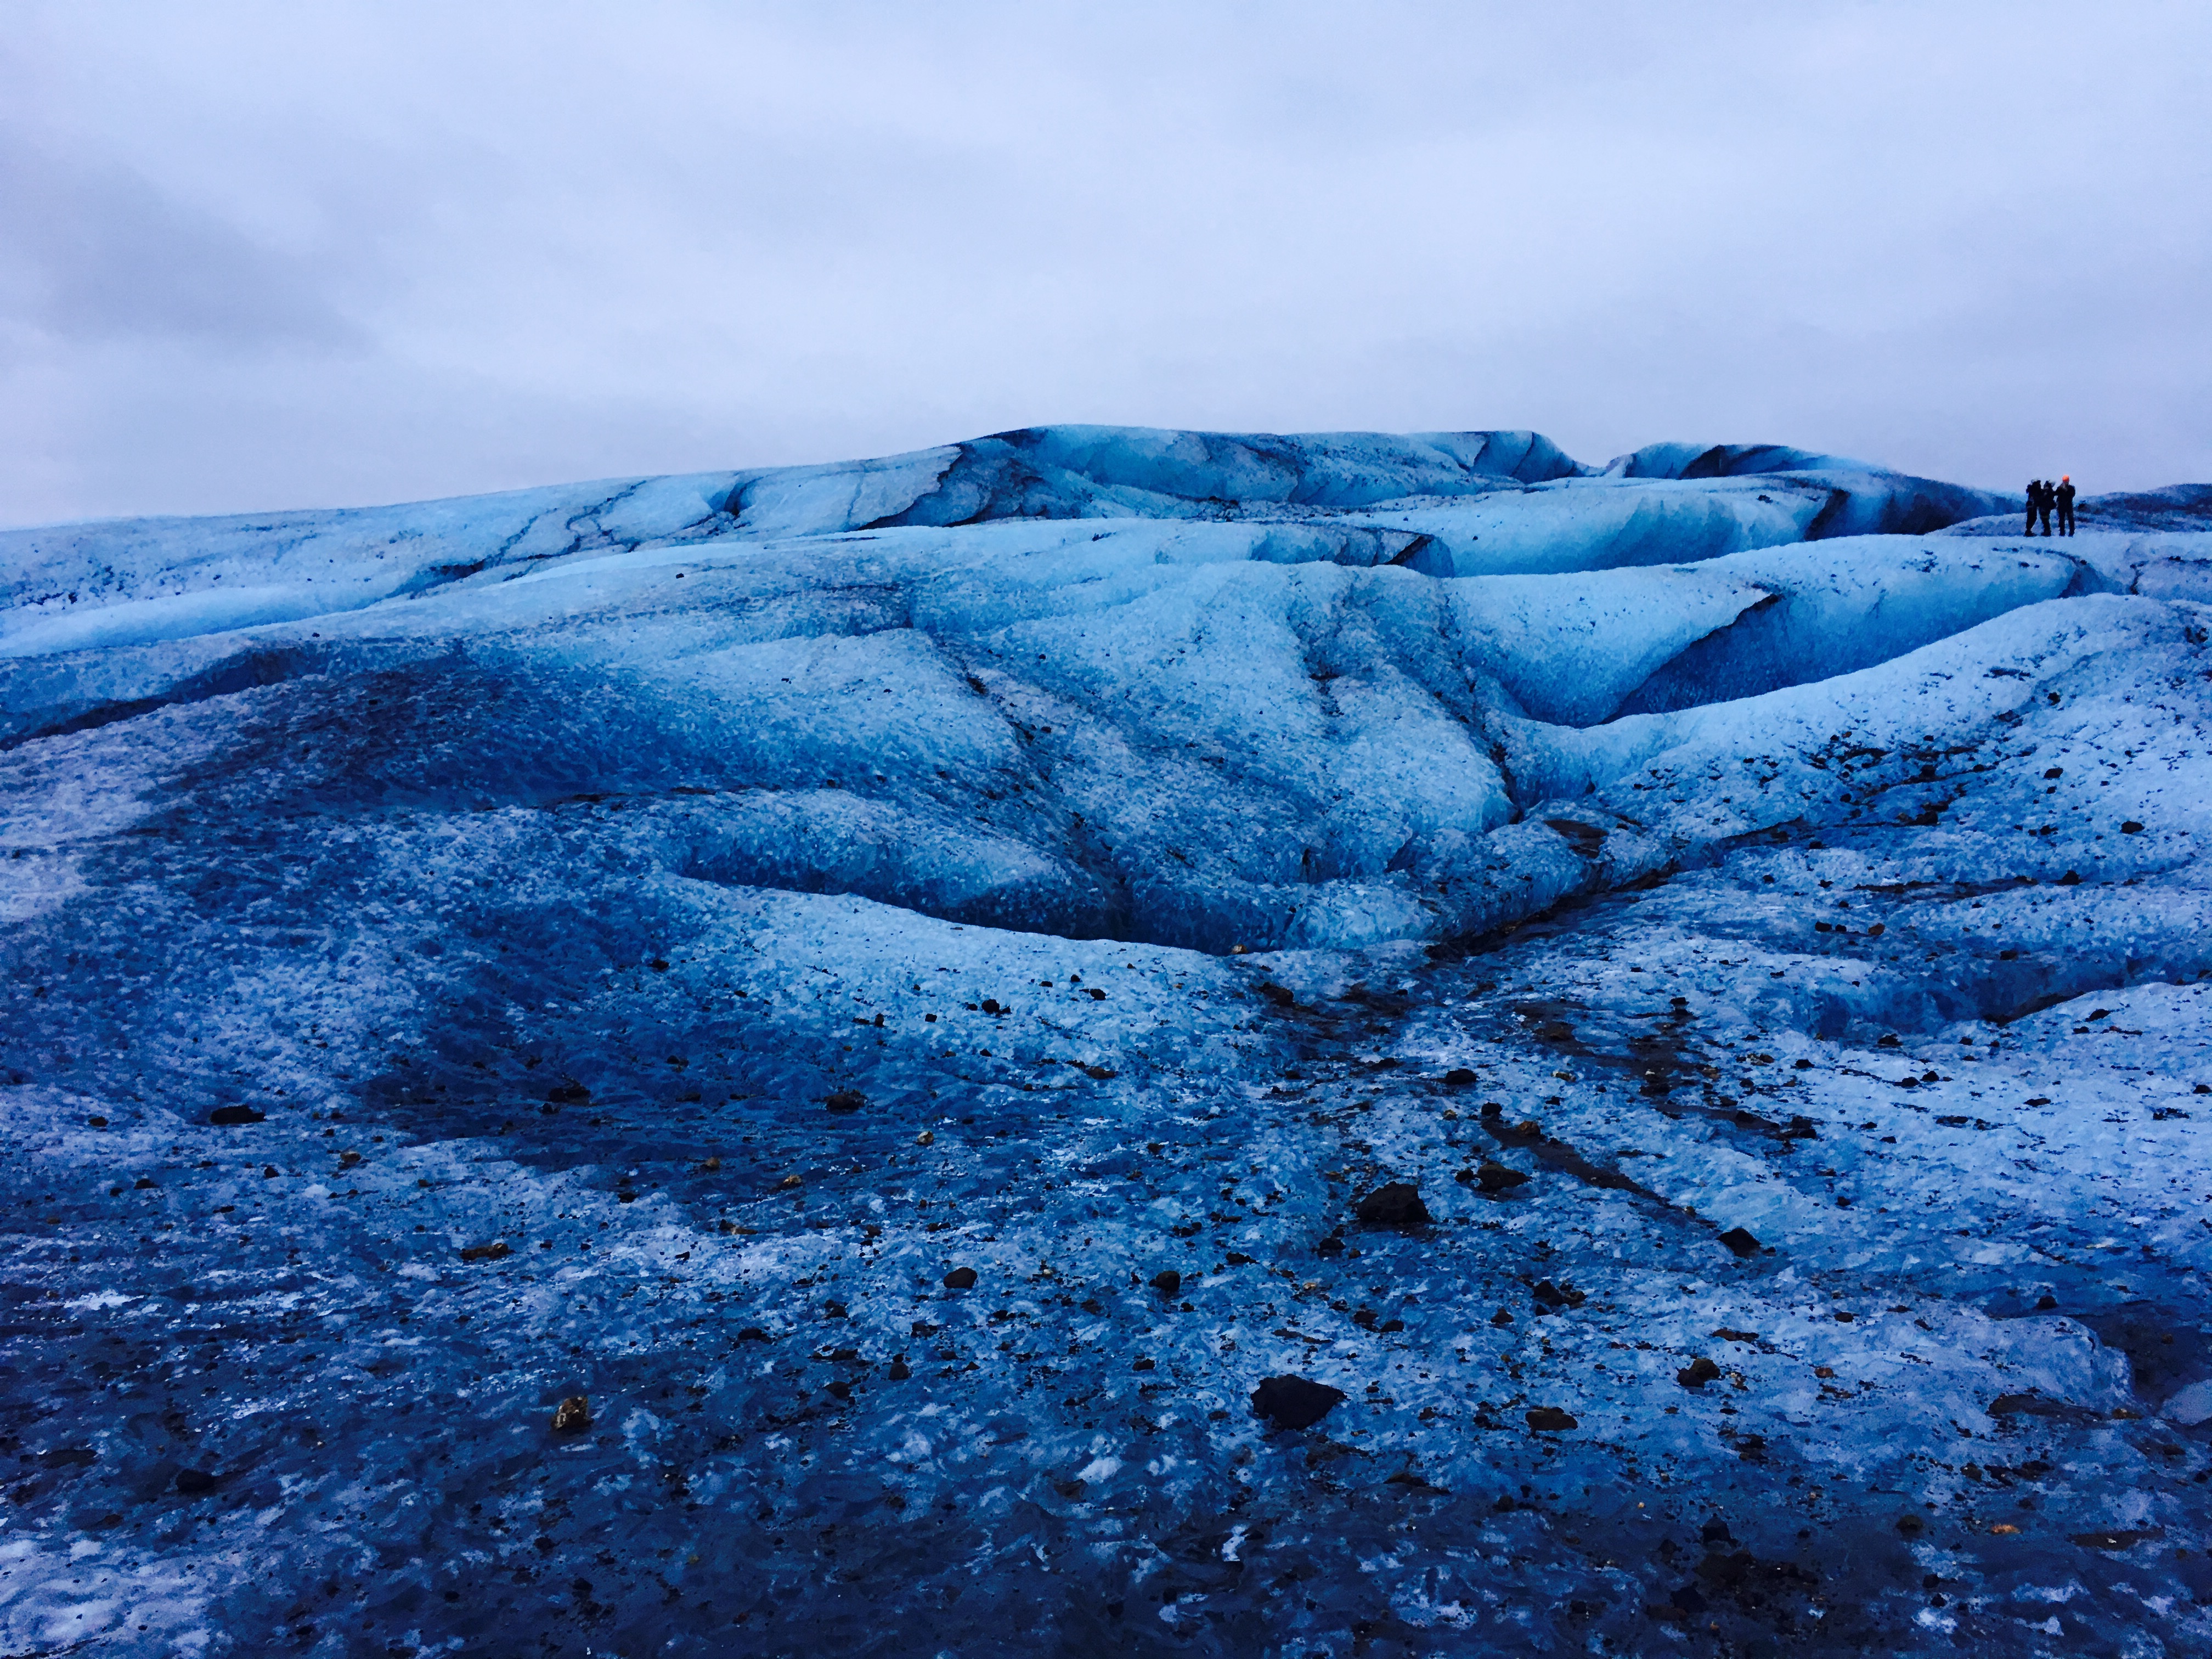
x=1074, y=855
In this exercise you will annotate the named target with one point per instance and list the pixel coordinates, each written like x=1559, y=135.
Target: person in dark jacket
x=2045, y=498
x=2064, y=496
x=2034, y=496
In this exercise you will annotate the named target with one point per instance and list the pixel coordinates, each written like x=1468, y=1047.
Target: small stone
x=1281, y=995
x=752, y=1334
x=1100, y=1074
x=1167, y=1282
x=709, y=1166
x=960, y=1279
x=1698, y=1372
x=568, y=1094
x=1496, y=1177
x=1557, y=1296
x=96, y=1122
x=194, y=1483
x=845, y=1100
x=2131, y=828
x=2094, y=1540
x=1550, y=1420
x=228, y=1116
x=575, y=1415
x=1501, y=1318
x=1740, y=1242
x=1294, y=1402
x=1459, y=1077
x=1330, y=1246
x=494, y=1251
x=899, y=1371
x=1395, y=1205
x=925, y=1138
x=1144, y=1364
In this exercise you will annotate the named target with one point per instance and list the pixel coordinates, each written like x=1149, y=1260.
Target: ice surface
x=1074, y=855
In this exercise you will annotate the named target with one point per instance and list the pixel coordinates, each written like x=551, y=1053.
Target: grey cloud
x=96, y=252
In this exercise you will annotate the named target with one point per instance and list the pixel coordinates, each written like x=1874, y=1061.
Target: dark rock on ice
x=1698, y=1372
x=573, y=1415
x=845, y=1100
x=1167, y=1282
x=195, y=1483
x=1397, y=1204
x=1551, y=1420
x=1294, y=1402
x=1459, y=1077
x=568, y=1094
x=960, y=1279
x=227, y=1116
x=2116, y=1540
x=1740, y=1242
x=494, y=1251
x=1281, y=995
x=1495, y=1177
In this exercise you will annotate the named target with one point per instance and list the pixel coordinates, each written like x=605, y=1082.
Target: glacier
x=903, y=985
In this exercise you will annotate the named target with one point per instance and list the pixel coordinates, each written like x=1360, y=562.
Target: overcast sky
x=255, y=256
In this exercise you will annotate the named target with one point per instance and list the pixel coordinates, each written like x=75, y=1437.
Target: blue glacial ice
x=893, y=982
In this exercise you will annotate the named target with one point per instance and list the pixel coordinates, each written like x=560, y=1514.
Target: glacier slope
x=748, y=899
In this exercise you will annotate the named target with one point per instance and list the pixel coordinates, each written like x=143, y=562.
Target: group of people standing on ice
x=2042, y=496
